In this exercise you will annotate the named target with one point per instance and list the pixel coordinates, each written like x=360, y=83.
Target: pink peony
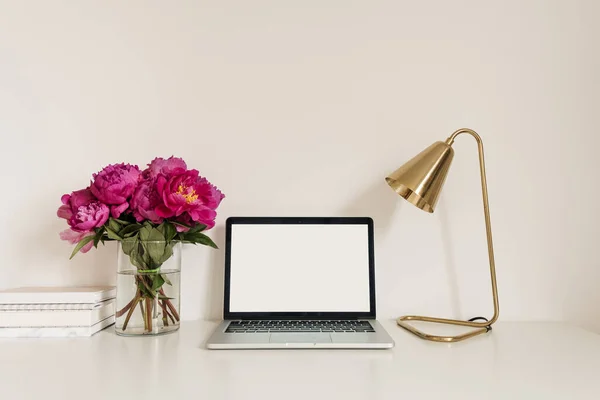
x=75, y=237
x=115, y=184
x=169, y=167
x=144, y=202
x=83, y=211
x=188, y=193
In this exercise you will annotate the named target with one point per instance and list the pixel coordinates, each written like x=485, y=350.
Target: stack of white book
x=56, y=311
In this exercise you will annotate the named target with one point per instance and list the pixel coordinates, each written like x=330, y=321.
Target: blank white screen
x=299, y=268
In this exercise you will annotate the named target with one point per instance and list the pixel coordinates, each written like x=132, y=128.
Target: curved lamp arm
x=484, y=326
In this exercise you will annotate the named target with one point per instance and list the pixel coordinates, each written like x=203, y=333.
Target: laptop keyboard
x=337, y=326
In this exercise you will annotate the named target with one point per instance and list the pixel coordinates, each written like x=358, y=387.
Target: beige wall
x=301, y=108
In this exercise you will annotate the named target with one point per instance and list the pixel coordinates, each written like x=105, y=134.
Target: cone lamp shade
x=421, y=179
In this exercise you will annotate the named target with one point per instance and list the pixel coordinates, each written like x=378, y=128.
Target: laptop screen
x=299, y=268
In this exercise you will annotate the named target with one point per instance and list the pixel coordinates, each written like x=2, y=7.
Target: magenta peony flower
x=169, y=167
x=75, y=237
x=144, y=202
x=115, y=184
x=188, y=193
x=83, y=211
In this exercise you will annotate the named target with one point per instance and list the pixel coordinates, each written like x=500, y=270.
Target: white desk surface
x=515, y=361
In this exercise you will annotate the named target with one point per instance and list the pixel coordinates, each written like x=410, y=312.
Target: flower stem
x=149, y=313
x=143, y=314
x=167, y=311
x=170, y=305
x=137, y=297
x=124, y=309
x=165, y=317
x=148, y=288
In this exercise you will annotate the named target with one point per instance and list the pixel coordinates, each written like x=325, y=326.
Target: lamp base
x=482, y=327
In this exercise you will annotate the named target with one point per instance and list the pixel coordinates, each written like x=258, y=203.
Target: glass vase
x=148, y=292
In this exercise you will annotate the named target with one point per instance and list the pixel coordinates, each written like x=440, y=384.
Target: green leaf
x=144, y=288
x=144, y=257
x=129, y=230
x=155, y=245
x=190, y=229
x=136, y=258
x=112, y=235
x=98, y=236
x=180, y=224
x=81, y=243
x=161, y=228
x=120, y=221
x=197, y=228
x=200, y=238
x=156, y=235
x=166, y=279
x=167, y=253
x=114, y=225
x=128, y=244
x=169, y=231
x=145, y=232
x=157, y=282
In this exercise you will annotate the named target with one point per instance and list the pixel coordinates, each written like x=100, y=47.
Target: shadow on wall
x=48, y=262
x=381, y=203
x=377, y=201
x=449, y=261
x=213, y=299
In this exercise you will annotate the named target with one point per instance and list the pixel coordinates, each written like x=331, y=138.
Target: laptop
x=299, y=283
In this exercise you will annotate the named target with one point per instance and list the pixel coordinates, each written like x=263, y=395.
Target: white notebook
x=57, y=295
x=57, y=318
x=78, y=331
x=52, y=306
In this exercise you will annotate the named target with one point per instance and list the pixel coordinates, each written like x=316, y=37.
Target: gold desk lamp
x=420, y=181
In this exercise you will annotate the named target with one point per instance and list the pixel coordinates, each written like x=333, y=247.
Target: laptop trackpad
x=300, y=338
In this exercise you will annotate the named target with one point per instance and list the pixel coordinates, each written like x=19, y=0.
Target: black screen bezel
x=227, y=314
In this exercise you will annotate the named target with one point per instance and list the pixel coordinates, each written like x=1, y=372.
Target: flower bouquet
x=150, y=213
